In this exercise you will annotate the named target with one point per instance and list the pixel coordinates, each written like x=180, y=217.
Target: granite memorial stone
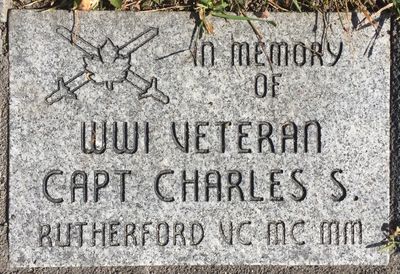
x=134, y=141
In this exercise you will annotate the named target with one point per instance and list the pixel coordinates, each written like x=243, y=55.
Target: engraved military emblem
x=107, y=65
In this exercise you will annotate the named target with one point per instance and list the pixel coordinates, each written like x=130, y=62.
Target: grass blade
x=297, y=5
x=238, y=17
x=116, y=3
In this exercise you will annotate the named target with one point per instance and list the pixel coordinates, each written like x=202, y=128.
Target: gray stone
x=5, y=5
x=154, y=80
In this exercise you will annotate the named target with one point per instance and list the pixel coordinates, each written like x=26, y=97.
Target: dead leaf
x=264, y=14
x=84, y=5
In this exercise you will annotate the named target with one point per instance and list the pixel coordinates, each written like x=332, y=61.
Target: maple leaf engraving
x=108, y=67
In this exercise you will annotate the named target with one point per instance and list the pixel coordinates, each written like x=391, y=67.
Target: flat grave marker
x=134, y=143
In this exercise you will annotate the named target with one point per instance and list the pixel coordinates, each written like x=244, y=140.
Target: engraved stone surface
x=5, y=5
x=132, y=142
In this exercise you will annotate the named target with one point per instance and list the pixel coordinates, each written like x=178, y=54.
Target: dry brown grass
x=369, y=8
x=265, y=5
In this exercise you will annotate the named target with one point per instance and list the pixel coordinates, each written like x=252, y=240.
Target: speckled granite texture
x=5, y=5
x=347, y=183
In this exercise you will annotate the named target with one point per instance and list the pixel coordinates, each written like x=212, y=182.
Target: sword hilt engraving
x=154, y=92
x=61, y=92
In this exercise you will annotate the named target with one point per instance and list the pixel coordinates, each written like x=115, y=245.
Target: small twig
x=388, y=6
x=259, y=38
x=75, y=26
x=167, y=8
x=325, y=28
x=32, y=3
x=137, y=4
x=340, y=17
x=367, y=15
x=276, y=6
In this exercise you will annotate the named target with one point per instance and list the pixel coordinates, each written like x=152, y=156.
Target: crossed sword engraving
x=68, y=88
